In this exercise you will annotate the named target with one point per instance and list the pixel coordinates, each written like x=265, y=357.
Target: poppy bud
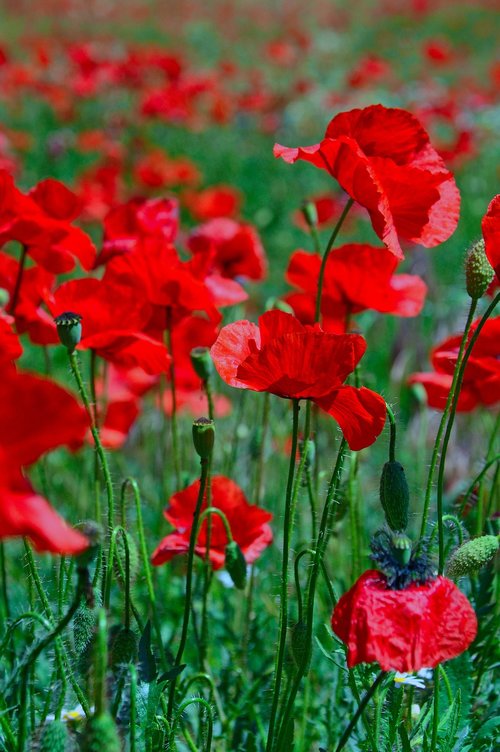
x=301, y=646
x=54, y=737
x=235, y=564
x=69, y=329
x=4, y=297
x=124, y=648
x=83, y=627
x=471, y=556
x=478, y=271
x=120, y=559
x=100, y=733
x=394, y=495
x=202, y=362
x=203, y=437
x=275, y=304
x=310, y=213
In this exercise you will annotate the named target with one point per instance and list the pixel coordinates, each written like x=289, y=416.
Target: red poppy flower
x=10, y=347
x=481, y=382
x=210, y=203
x=248, y=523
x=383, y=159
x=237, y=249
x=403, y=630
x=297, y=361
x=491, y=234
x=357, y=277
x=42, y=222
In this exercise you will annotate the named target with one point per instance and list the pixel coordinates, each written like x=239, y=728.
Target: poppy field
x=250, y=376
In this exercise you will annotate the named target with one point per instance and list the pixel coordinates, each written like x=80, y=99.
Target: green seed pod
x=394, y=495
x=310, y=213
x=401, y=546
x=203, y=437
x=100, y=734
x=54, y=737
x=83, y=627
x=236, y=565
x=202, y=362
x=69, y=329
x=478, y=271
x=124, y=648
x=301, y=648
x=471, y=556
x=119, y=559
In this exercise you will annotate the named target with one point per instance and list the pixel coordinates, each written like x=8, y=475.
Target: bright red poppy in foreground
x=383, y=159
x=296, y=361
x=357, y=277
x=248, y=523
x=403, y=630
x=481, y=382
x=491, y=234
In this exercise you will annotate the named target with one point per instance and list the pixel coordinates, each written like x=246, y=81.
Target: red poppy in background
x=236, y=246
x=383, y=159
x=296, y=361
x=29, y=315
x=213, y=202
x=481, y=382
x=357, y=277
x=42, y=222
x=403, y=630
x=10, y=347
x=491, y=234
x=248, y=523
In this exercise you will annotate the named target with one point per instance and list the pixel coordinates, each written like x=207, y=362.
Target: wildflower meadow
x=250, y=376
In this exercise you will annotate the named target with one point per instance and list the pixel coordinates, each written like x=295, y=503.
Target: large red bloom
x=491, y=234
x=357, y=277
x=403, y=630
x=248, y=523
x=28, y=312
x=384, y=160
x=286, y=358
x=237, y=248
x=481, y=382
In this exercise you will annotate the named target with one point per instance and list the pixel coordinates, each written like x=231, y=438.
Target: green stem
x=361, y=707
x=329, y=246
x=19, y=279
x=435, y=717
x=100, y=664
x=133, y=706
x=392, y=441
x=178, y=716
x=261, y=453
x=444, y=418
x=173, y=392
x=5, y=610
x=280, y=656
x=189, y=579
x=474, y=483
x=458, y=527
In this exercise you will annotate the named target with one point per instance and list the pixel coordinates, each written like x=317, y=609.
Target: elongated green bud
x=310, y=213
x=120, y=559
x=202, y=362
x=69, y=329
x=54, y=737
x=100, y=734
x=124, y=648
x=203, y=437
x=236, y=565
x=471, y=556
x=394, y=495
x=478, y=271
x=301, y=647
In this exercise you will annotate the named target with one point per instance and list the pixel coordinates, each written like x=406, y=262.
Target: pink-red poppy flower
x=213, y=202
x=29, y=315
x=491, y=234
x=481, y=382
x=403, y=630
x=383, y=159
x=248, y=523
x=10, y=347
x=236, y=246
x=296, y=361
x=357, y=277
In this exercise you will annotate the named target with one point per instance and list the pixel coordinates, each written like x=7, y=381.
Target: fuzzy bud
x=394, y=495
x=202, y=362
x=54, y=737
x=100, y=734
x=471, y=556
x=478, y=271
x=236, y=565
x=310, y=213
x=124, y=648
x=203, y=437
x=120, y=559
x=301, y=648
x=69, y=329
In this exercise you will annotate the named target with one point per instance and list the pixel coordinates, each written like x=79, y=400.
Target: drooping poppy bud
x=394, y=495
x=202, y=362
x=124, y=648
x=69, y=329
x=54, y=737
x=310, y=213
x=471, y=556
x=203, y=437
x=403, y=630
x=120, y=559
x=235, y=564
x=100, y=733
x=301, y=646
x=478, y=271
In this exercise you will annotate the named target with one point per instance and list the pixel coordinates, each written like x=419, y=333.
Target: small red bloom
x=403, y=630
x=248, y=523
x=237, y=248
x=357, y=277
x=384, y=160
x=491, y=234
x=210, y=203
x=28, y=312
x=294, y=361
